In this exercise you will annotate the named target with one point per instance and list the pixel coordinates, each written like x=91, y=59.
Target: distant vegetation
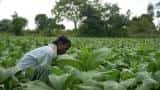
x=90, y=18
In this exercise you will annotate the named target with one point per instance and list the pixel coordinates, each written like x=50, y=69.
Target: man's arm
x=47, y=60
x=25, y=62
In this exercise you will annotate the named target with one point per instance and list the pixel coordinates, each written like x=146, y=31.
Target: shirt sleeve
x=47, y=60
x=39, y=57
x=26, y=62
x=48, y=57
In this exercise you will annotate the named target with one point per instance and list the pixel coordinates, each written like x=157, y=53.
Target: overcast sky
x=30, y=8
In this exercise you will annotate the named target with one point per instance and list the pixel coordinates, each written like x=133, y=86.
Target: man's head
x=63, y=44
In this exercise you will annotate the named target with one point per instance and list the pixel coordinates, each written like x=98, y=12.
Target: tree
x=69, y=9
x=158, y=13
x=102, y=20
x=18, y=24
x=15, y=15
x=114, y=22
x=92, y=25
x=117, y=25
x=150, y=9
x=41, y=21
x=60, y=27
x=142, y=24
x=158, y=4
x=128, y=14
x=51, y=25
x=5, y=25
x=47, y=25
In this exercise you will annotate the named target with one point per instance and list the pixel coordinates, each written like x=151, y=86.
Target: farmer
x=40, y=58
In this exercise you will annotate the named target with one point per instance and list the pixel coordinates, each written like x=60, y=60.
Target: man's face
x=62, y=48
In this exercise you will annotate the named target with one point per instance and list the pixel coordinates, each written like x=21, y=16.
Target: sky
x=30, y=8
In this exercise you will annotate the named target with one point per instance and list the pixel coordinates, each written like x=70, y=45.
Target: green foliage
x=41, y=21
x=92, y=26
x=6, y=25
x=103, y=20
x=142, y=24
x=47, y=26
x=18, y=25
x=112, y=85
x=91, y=18
x=111, y=64
x=69, y=9
x=150, y=9
x=36, y=85
x=58, y=82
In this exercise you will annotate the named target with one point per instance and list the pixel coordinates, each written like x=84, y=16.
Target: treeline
x=90, y=18
x=17, y=25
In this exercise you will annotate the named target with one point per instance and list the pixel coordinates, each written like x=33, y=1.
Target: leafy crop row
x=90, y=64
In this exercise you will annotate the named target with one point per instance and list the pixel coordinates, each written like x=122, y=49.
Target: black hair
x=63, y=40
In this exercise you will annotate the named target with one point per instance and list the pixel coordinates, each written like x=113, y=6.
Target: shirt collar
x=53, y=46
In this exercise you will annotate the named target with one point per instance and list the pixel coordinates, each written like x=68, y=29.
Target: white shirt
x=38, y=57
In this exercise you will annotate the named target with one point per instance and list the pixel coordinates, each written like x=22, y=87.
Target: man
x=40, y=58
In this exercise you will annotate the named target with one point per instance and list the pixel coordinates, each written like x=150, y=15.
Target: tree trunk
x=75, y=25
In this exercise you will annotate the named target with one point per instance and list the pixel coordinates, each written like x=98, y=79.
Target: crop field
x=90, y=64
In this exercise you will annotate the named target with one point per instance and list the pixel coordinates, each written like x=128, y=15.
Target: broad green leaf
x=58, y=82
x=83, y=87
x=142, y=76
x=156, y=76
x=126, y=74
x=129, y=82
x=91, y=82
x=56, y=70
x=111, y=75
x=68, y=60
x=113, y=85
x=143, y=87
x=151, y=83
x=36, y=85
x=6, y=73
x=66, y=57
